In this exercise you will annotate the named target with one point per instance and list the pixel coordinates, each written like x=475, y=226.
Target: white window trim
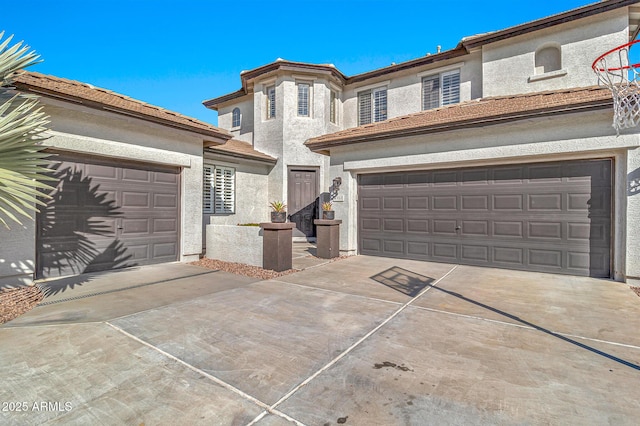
x=440, y=70
x=209, y=173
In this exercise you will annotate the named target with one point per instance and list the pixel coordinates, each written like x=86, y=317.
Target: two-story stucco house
x=499, y=152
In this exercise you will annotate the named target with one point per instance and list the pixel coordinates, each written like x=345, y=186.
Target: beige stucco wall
x=508, y=65
x=404, y=89
x=75, y=128
x=632, y=193
x=567, y=137
x=245, y=131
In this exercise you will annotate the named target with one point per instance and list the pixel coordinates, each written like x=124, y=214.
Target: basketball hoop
x=616, y=71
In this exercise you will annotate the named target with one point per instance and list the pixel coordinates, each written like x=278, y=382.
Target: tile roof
x=475, y=113
x=241, y=149
x=464, y=47
x=95, y=97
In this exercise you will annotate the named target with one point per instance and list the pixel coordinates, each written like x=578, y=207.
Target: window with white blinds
x=219, y=189
x=372, y=106
x=304, y=90
x=271, y=102
x=441, y=89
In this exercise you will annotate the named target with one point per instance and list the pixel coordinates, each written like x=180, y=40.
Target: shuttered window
x=219, y=189
x=431, y=92
x=303, y=99
x=372, y=106
x=271, y=102
x=441, y=89
x=451, y=88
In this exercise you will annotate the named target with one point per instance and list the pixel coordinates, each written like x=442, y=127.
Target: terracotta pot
x=278, y=217
x=328, y=214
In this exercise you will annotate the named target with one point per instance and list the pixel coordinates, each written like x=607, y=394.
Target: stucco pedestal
x=328, y=234
x=277, y=246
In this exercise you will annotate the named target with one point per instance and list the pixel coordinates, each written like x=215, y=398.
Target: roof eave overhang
x=216, y=102
x=572, y=15
x=425, y=60
x=213, y=136
x=242, y=157
x=324, y=147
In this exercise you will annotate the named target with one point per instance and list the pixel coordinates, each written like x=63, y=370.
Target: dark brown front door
x=548, y=217
x=302, y=200
x=105, y=215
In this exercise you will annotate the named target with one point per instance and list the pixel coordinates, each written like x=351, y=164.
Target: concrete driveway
x=362, y=341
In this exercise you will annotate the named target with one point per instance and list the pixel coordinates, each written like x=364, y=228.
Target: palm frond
x=23, y=163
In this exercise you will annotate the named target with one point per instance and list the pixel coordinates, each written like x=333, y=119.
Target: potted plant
x=279, y=213
x=327, y=212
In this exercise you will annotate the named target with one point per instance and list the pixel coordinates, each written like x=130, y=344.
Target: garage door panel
x=136, y=200
x=471, y=253
x=509, y=229
x=549, y=217
x=417, y=248
x=162, y=201
x=547, y=202
x=474, y=202
x=545, y=258
x=546, y=230
x=106, y=215
x=514, y=202
x=136, y=175
x=169, y=225
x=97, y=171
x=393, y=225
x=445, y=251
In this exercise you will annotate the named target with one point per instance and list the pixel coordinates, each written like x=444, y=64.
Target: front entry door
x=302, y=201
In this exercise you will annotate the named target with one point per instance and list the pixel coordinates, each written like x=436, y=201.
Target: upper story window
x=218, y=192
x=271, y=102
x=304, y=96
x=235, y=117
x=547, y=60
x=372, y=106
x=333, y=107
x=441, y=89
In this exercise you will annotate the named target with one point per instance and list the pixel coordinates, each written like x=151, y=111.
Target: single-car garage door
x=105, y=215
x=549, y=217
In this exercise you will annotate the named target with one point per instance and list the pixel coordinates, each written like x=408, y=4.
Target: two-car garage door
x=549, y=217
x=105, y=215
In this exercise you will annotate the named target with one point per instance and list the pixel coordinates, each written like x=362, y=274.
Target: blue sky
x=175, y=54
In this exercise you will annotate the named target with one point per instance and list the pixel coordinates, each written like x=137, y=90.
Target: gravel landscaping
x=17, y=301
x=241, y=269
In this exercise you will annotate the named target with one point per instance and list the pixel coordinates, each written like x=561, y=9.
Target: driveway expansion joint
x=209, y=376
x=355, y=345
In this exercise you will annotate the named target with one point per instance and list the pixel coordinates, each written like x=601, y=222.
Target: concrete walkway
x=361, y=341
